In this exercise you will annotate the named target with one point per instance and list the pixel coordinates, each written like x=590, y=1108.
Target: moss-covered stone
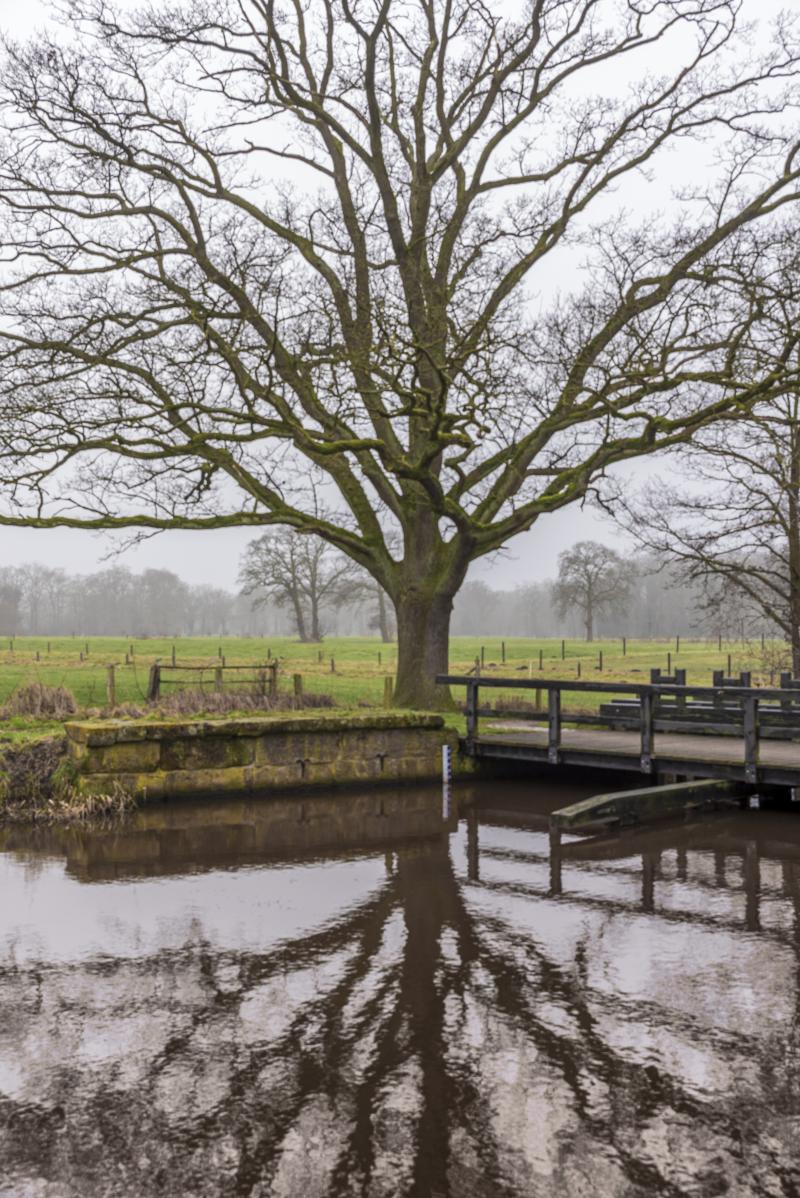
x=157, y=759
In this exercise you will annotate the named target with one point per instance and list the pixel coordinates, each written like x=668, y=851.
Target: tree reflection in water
x=484, y=1014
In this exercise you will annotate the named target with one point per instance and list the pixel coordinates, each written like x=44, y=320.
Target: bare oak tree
x=303, y=573
x=263, y=261
x=592, y=578
x=736, y=529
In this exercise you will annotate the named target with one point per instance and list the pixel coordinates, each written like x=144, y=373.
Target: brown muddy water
x=353, y=996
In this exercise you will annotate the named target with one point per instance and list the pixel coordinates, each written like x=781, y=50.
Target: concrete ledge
x=157, y=759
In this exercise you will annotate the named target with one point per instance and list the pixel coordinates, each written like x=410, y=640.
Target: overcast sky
x=213, y=556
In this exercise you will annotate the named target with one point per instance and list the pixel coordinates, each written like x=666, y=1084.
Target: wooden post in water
x=751, y=738
x=111, y=687
x=388, y=691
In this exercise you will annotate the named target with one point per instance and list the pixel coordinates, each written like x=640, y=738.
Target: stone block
x=131, y=757
x=207, y=753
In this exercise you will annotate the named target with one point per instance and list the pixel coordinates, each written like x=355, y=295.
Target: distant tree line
x=596, y=594
x=652, y=599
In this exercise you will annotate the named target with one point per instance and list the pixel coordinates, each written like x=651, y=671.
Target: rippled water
x=347, y=996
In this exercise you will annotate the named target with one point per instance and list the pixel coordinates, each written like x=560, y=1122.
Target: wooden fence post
x=111, y=687
x=173, y=657
x=647, y=732
x=553, y=724
x=388, y=691
x=624, y=646
x=600, y=662
x=273, y=679
x=483, y=655
x=297, y=682
x=503, y=652
x=541, y=659
x=154, y=683
x=472, y=714
x=563, y=650
x=218, y=678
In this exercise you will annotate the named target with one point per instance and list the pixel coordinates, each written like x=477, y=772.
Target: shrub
x=39, y=700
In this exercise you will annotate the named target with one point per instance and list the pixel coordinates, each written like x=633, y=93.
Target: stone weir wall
x=154, y=760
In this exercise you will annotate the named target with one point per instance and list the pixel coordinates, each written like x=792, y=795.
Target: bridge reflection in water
x=191, y=1005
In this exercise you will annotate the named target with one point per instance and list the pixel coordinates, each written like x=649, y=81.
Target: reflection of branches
x=401, y=977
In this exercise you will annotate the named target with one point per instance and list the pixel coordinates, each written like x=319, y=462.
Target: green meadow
x=352, y=669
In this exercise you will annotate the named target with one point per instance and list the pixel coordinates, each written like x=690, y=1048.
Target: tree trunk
x=423, y=638
x=383, y=617
x=589, y=619
x=316, y=631
x=299, y=617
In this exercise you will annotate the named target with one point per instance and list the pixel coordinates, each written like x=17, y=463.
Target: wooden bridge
x=737, y=732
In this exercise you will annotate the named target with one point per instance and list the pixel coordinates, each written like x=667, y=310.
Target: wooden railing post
x=647, y=732
x=680, y=680
x=751, y=737
x=553, y=724
x=218, y=678
x=111, y=687
x=273, y=679
x=472, y=714
x=154, y=683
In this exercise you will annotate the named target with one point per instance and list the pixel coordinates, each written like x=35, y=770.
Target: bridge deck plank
x=681, y=746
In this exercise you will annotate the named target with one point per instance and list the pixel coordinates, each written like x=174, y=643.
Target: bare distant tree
x=734, y=525
x=255, y=253
x=592, y=578
x=302, y=573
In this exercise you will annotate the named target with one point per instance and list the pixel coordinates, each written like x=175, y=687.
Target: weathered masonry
x=159, y=759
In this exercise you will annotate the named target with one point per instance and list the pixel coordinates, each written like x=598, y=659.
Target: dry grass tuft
x=37, y=699
x=200, y=702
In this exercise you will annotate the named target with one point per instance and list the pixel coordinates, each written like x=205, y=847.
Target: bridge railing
x=648, y=694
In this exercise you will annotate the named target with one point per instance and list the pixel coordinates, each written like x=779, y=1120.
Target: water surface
x=350, y=995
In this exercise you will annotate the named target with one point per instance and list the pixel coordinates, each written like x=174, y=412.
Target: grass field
x=352, y=669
